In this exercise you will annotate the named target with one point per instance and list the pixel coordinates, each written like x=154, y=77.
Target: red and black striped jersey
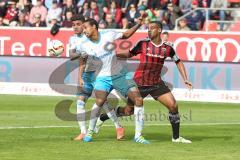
x=152, y=59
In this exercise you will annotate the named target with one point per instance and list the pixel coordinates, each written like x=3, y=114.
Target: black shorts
x=155, y=91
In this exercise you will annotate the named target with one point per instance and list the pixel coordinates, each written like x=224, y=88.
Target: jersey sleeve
x=84, y=54
x=173, y=55
x=78, y=49
x=72, y=46
x=136, y=49
x=116, y=35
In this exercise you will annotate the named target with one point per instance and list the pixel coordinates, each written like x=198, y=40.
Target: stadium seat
x=235, y=26
x=233, y=1
x=212, y=26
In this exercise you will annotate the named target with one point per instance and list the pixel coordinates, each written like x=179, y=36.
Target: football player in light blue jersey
x=86, y=78
x=75, y=41
x=111, y=74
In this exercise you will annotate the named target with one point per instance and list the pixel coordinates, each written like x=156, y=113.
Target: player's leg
x=81, y=117
x=103, y=87
x=112, y=115
x=119, y=111
x=164, y=96
x=83, y=95
x=128, y=88
x=135, y=96
x=169, y=101
x=101, y=97
x=127, y=110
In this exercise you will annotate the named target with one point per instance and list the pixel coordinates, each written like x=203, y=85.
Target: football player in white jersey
x=111, y=74
x=86, y=77
x=74, y=41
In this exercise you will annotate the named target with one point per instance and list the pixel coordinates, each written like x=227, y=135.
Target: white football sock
x=139, y=120
x=112, y=115
x=81, y=116
x=94, y=116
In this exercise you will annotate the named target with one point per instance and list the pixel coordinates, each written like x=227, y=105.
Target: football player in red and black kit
x=153, y=52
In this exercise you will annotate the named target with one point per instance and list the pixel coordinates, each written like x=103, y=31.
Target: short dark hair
x=92, y=22
x=78, y=17
x=165, y=33
x=158, y=23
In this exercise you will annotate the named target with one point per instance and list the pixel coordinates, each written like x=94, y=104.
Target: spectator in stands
x=115, y=12
x=49, y=3
x=125, y=5
x=204, y=3
x=94, y=11
x=165, y=36
x=185, y=5
x=1, y=21
x=183, y=25
x=151, y=13
x=25, y=5
x=106, y=5
x=142, y=3
x=34, y=2
x=53, y=21
x=153, y=4
x=125, y=24
x=102, y=24
x=67, y=22
x=55, y=12
x=165, y=25
x=22, y=22
x=110, y=21
x=3, y=8
x=69, y=5
x=36, y=10
x=171, y=15
x=207, y=3
x=132, y=14
x=80, y=4
x=196, y=19
x=85, y=10
x=142, y=9
x=144, y=26
x=164, y=4
x=11, y=13
x=37, y=21
x=221, y=13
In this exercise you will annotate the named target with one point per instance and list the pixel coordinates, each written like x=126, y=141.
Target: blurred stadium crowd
x=119, y=14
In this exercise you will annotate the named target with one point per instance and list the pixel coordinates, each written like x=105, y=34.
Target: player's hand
x=141, y=19
x=188, y=84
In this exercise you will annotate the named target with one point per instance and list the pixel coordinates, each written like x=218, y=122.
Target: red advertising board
x=190, y=46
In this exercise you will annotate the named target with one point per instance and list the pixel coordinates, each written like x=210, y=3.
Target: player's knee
x=128, y=111
x=138, y=101
x=173, y=107
x=100, y=102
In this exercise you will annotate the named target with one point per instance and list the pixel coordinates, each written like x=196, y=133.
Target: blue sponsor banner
x=214, y=76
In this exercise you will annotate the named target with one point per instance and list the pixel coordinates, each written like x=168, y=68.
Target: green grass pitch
x=214, y=129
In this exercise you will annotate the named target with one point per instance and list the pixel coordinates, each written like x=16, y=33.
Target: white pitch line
x=189, y=124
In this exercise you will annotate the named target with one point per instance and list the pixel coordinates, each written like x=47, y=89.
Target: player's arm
x=73, y=54
x=82, y=62
x=128, y=33
x=183, y=73
x=132, y=52
x=73, y=50
x=181, y=68
x=123, y=54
